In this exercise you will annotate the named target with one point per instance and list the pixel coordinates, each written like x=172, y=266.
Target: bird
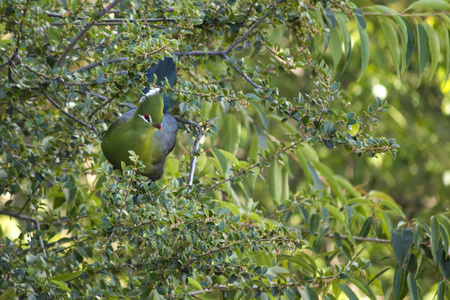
x=149, y=130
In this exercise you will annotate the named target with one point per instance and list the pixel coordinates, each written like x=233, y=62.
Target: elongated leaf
x=433, y=42
x=392, y=41
x=329, y=176
x=360, y=17
x=308, y=293
x=67, y=276
x=336, y=49
x=336, y=213
x=342, y=20
x=422, y=37
x=301, y=261
x=430, y=5
x=411, y=43
x=441, y=291
x=365, y=50
x=195, y=284
x=399, y=283
x=348, y=291
x=401, y=242
x=447, y=47
x=275, y=181
x=231, y=134
x=412, y=287
x=366, y=227
x=435, y=239
x=403, y=30
x=363, y=287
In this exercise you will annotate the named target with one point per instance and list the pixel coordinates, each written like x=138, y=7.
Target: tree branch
x=194, y=148
x=78, y=37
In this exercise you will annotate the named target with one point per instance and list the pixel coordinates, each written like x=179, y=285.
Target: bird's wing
x=168, y=134
x=124, y=118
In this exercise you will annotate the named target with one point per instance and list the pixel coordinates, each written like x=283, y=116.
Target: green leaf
x=422, y=37
x=336, y=49
x=314, y=220
x=435, y=239
x=232, y=207
x=308, y=293
x=410, y=46
x=67, y=276
x=342, y=20
x=336, y=213
x=195, y=284
x=412, y=287
x=447, y=47
x=363, y=287
x=329, y=177
x=399, y=282
x=275, y=181
x=366, y=227
x=429, y=5
x=231, y=134
x=392, y=41
x=401, y=240
x=61, y=285
x=222, y=163
x=365, y=50
x=360, y=17
x=433, y=42
x=441, y=291
x=348, y=291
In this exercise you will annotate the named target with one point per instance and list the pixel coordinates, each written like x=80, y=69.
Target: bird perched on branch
x=149, y=130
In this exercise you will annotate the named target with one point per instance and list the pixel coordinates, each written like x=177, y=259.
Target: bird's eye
x=147, y=117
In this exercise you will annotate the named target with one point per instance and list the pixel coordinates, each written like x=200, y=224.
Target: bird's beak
x=157, y=126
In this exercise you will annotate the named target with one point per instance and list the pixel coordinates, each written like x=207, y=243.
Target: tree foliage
x=246, y=207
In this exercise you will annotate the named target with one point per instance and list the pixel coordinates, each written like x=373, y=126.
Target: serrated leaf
x=422, y=38
x=365, y=50
x=433, y=42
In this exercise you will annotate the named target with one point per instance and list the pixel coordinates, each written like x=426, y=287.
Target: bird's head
x=150, y=108
x=147, y=118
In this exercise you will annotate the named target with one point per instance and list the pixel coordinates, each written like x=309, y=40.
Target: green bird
x=149, y=130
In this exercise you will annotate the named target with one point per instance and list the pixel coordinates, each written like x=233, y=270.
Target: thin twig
x=194, y=148
x=28, y=219
x=239, y=40
x=93, y=65
x=78, y=37
x=55, y=104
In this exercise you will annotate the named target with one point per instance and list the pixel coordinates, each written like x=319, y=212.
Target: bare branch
x=194, y=148
x=232, y=46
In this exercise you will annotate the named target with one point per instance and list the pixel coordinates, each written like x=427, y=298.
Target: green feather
x=135, y=131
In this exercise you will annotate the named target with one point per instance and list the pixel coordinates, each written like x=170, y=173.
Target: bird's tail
x=162, y=69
